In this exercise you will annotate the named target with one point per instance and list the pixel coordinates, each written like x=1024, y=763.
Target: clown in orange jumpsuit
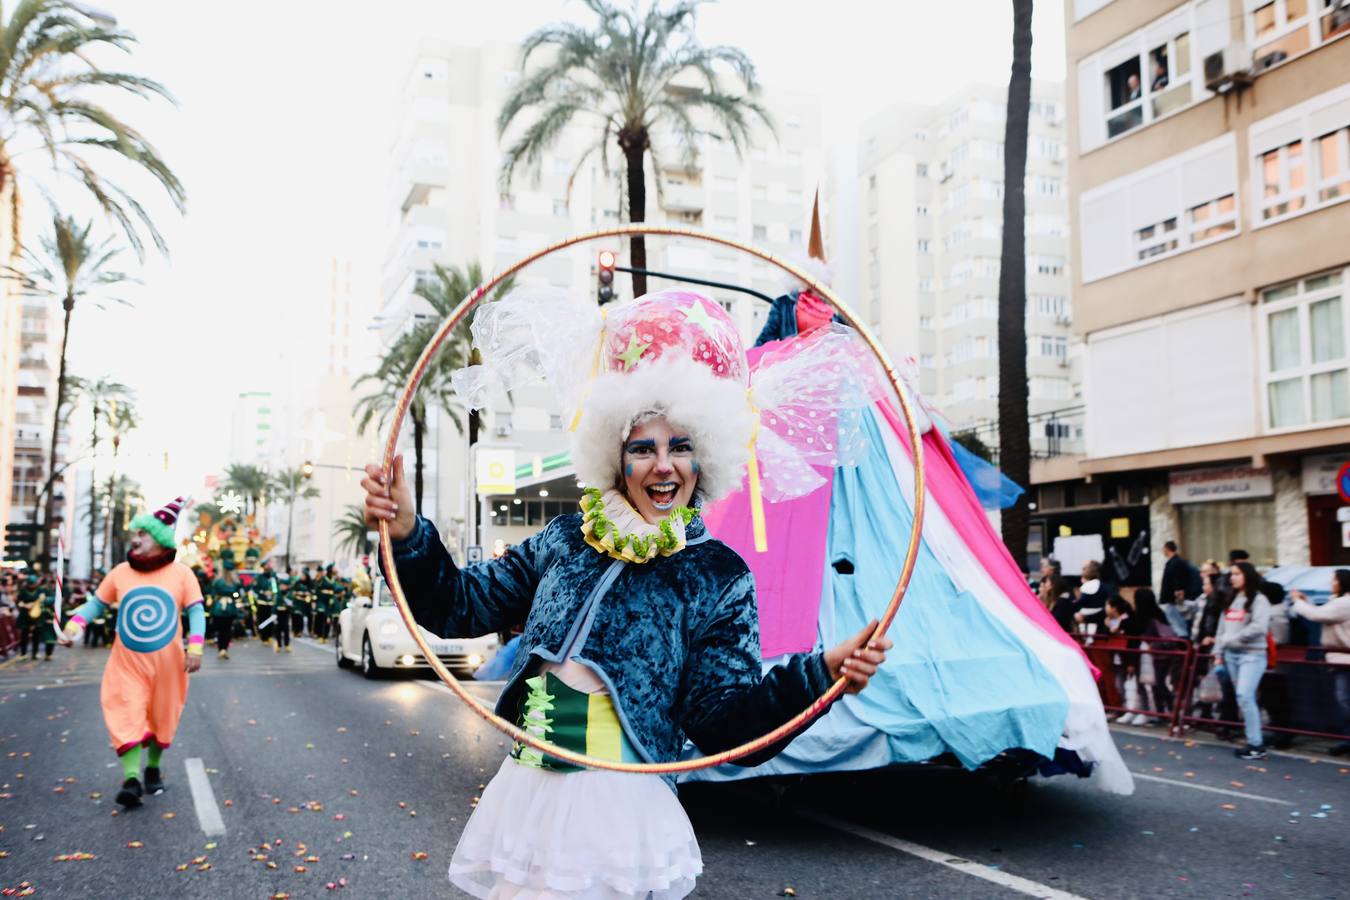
x=146, y=680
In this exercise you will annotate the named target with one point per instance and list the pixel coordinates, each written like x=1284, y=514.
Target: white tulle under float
x=592, y=835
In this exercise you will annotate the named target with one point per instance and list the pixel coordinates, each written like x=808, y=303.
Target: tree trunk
x=1014, y=441
x=419, y=431
x=93, y=491
x=68, y=305
x=634, y=145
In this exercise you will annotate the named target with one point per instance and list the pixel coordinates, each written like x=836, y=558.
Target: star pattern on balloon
x=230, y=502
x=634, y=352
x=697, y=313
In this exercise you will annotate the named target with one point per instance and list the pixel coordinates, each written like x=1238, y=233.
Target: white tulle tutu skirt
x=592, y=835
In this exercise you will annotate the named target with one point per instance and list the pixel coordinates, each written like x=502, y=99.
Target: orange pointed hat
x=815, y=245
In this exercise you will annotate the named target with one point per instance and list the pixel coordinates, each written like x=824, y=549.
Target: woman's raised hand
x=389, y=500
x=858, y=657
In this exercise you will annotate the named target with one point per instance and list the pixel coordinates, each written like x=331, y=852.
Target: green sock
x=152, y=755
x=131, y=763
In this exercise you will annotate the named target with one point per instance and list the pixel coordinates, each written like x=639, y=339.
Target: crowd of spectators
x=1237, y=620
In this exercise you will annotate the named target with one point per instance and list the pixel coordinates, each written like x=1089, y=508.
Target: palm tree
x=292, y=485
x=102, y=394
x=623, y=74
x=352, y=531
x=70, y=267
x=1014, y=438
x=121, y=418
x=47, y=83
x=250, y=482
x=442, y=293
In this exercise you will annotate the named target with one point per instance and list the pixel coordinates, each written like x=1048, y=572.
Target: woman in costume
x=145, y=682
x=640, y=629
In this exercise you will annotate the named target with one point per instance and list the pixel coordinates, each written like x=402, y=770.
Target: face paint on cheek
x=628, y=470
x=693, y=466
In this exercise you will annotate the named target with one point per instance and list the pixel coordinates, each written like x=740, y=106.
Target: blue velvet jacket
x=675, y=640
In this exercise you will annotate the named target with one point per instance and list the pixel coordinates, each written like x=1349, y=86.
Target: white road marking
x=928, y=854
x=1212, y=790
x=203, y=798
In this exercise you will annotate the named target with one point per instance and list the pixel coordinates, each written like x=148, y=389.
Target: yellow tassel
x=595, y=373
x=756, y=495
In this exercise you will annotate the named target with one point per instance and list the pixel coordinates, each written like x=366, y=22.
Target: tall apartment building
x=34, y=412
x=930, y=214
x=447, y=206
x=252, y=423
x=1210, y=165
x=311, y=419
x=11, y=346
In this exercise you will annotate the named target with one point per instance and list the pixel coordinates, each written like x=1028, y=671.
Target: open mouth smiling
x=662, y=494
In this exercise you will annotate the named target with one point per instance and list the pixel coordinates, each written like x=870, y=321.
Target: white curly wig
x=714, y=411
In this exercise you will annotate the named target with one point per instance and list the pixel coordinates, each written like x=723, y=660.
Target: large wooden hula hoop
x=702, y=762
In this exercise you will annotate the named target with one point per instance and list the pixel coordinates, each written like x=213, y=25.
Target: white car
x=371, y=633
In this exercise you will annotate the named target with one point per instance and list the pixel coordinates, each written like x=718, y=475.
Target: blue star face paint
x=628, y=470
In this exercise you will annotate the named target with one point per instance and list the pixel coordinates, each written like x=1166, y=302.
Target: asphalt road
x=328, y=784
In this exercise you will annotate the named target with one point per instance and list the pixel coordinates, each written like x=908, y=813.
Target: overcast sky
x=281, y=137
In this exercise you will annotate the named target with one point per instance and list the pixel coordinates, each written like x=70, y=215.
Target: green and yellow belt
x=562, y=715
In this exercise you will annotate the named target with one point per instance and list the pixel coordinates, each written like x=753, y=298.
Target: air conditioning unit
x=1230, y=66
x=502, y=431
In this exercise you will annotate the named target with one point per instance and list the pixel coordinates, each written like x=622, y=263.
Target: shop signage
x=496, y=471
x=1343, y=482
x=1320, y=472
x=1219, y=483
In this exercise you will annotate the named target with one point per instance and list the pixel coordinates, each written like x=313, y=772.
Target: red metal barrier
x=9, y=635
x=1118, y=655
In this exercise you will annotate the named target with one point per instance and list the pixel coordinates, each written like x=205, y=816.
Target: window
x=921, y=170
x=555, y=422
x=760, y=233
x=759, y=192
x=1333, y=165
x=1301, y=157
x=725, y=225
x=794, y=235
x=1045, y=265
x=925, y=284
x=1050, y=346
x=1150, y=73
x=1305, y=366
x=1155, y=240
x=1048, y=148
x=1282, y=29
x=560, y=207
x=1213, y=219
x=923, y=245
x=926, y=322
x=1048, y=187
x=921, y=210
x=871, y=182
x=1180, y=203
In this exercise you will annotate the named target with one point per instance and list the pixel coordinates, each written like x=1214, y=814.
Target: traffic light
x=605, y=266
x=307, y=469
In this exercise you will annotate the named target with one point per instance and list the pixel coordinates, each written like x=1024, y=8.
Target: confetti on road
x=1227, y=806
x=419, y=855
x=77, y=856
x=135, y=845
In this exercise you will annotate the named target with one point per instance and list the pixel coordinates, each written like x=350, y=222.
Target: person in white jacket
x=1334, y=616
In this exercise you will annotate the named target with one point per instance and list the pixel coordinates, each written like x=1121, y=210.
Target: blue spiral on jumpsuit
x=147, y=619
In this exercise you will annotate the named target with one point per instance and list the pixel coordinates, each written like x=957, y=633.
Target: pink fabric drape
x=790, y=576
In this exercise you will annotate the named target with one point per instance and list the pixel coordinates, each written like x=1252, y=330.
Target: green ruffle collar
x=612, y=527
